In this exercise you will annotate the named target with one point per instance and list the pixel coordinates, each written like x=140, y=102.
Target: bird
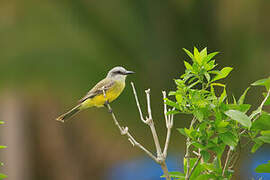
x=105, y=91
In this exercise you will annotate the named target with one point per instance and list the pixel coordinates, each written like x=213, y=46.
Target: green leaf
x=190, y=132
x=2, y=176
x=229, y=139
x=234, y=100
x=207, y=76
x=263, y=168
x=218, y=84
x=217, y=163
x=243, y=107
x=262, y=82
x=205, y=156
x=171, y=103
x=189, y=53
x=208, y=166
x=257, y=144
x=197, y=56
x=179, y=98
x=175, y=174
x=197, y=170
x=198, y=145
x=262, y=123
x=265, y=138
x=223, y=96
x=182, y=131
x=206, y=177
x=242, y=98
x=210, y=56
x=214, y=72
x=203, y=53
x=173, y=112
x=222, y=124
x=240, y=117
x=198, y=114
x=265, y=133
x=171, y=93
x=188, y=66
x=223, y=73
x=267, y=102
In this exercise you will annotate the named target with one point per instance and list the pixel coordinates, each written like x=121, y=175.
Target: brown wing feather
x=98, y=89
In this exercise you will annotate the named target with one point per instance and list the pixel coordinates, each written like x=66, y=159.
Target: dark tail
x=68, y=114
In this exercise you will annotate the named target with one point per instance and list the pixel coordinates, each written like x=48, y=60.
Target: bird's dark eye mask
x=119, y=72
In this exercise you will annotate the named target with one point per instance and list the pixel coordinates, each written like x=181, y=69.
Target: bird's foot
x=108, y=106
x=110, y=111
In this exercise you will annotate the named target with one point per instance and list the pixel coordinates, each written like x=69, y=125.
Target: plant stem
x=165, y=170
x=124, y=131
x=226, y=162
x=195, y=165
x=187, y=155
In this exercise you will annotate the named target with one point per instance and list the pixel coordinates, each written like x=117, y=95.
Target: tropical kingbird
x=112, y=85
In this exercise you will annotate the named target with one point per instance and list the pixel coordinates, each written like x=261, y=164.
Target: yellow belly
x=99, y=100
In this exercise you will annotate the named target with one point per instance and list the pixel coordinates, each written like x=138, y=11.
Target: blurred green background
x=53, y=52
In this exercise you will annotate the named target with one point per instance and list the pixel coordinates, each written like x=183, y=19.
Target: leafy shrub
x=220, y=127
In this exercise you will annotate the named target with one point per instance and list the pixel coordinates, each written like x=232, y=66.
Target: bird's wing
x=104, y=84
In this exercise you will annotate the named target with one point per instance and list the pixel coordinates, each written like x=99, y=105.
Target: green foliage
x=218, y=126
x=176, y=175
x=241, y=117
x=263, y=168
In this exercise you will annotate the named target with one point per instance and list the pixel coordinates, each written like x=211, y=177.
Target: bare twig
x=124, y=131
x=161, y=156
x=169, y=125
x=149, y=120
x=187, y=155
x=226, y=161
x=197, y=154
x=137, y=102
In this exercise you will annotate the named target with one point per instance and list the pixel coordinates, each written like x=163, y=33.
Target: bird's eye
x=118, y=72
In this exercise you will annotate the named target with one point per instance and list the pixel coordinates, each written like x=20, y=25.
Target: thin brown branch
x=165, y=170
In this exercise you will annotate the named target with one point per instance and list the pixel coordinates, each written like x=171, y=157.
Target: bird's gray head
x=118, y=73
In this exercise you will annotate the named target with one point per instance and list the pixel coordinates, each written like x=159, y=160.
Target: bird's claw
x=107, y=105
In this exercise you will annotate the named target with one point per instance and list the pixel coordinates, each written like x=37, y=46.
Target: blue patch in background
x=262, y=156
x=143, y=169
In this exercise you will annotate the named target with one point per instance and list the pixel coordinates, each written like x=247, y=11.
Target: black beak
x=129, y=72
